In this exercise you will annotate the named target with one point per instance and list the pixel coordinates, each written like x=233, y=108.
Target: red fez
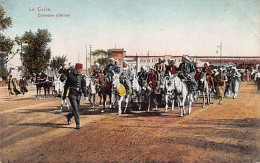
x=78, y=66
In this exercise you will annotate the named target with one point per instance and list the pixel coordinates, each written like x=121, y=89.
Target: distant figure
x=23, y=84
x=221, y=80
x=12, y=87
x=235, y=80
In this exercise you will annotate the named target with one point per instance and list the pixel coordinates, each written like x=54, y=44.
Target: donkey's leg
x=172, y=102
x=61, y=105
x=126, y=102
x=208, y=97
x=100, y=99
x=119, y=105
x=104, y=102
x=190, y=103
x=166, y=102
x=94, y=100
x=203, y=103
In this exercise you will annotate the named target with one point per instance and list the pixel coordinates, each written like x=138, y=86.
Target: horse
x=205, y=88
x=119, y=92
x=104, y=88
x=177, y=86
x=43, y=81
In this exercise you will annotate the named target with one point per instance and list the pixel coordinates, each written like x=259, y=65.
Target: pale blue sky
x=174, y=27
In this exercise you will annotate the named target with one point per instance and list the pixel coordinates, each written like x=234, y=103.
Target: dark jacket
x=76, y=84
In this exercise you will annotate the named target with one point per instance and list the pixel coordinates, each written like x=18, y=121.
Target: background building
x=118, y=54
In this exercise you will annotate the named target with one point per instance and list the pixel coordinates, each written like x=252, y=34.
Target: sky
x=172, y=27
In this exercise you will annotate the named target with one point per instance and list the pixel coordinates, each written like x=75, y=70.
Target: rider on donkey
x=206, y=69
x=96, y=71
x=126, y=77
x=160, y=67
x=171, y=68
x=187, y=72
x=152, y=82
x=108, y=69
x=142, y=76
x=76, y=84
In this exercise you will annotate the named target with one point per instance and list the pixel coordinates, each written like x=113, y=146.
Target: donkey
x=177, y=86
x=119, y=92
x=205, y=88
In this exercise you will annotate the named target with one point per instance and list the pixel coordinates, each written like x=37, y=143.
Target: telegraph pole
x=148, y=61
x=220, y=51
x=90, y=46
x=136, y=62
x=86, y=58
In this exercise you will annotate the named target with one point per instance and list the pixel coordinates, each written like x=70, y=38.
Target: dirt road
x=34, y=131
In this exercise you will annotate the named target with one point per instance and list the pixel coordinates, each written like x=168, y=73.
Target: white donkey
x=136, y=91
x=170, y=94
x=205, y=88
x=119, y=93
x=175, y=85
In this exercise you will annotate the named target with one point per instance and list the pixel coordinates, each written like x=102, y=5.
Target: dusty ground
x=34, y=131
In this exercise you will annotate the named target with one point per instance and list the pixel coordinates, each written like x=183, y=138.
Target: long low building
x=216, y=61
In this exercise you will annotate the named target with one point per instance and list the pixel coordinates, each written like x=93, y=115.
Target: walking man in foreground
x=76, y=84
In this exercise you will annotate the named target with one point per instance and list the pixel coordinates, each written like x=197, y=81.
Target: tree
x=103, y=54
x=4, y=21
x=57, y=62
x=37, y=54
x=6, y=44
x=99, y=52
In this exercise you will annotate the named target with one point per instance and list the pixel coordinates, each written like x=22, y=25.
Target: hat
x=116, y=61
x=97, y=64
x=186, y=57
x=152, y=68
x=234, y=68
x=78, y=66
x=173, y=60
x=220, y=69
x=125, y=62
x=206, y=63
x=160, y=59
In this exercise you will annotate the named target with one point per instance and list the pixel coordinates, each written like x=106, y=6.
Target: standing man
x=23, y=84
x=221, y=80
x=187, y=72
x=76, y=84
x=12, y=87
x=235, y=80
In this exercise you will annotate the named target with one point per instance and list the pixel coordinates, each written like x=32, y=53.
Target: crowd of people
x=223, y=81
